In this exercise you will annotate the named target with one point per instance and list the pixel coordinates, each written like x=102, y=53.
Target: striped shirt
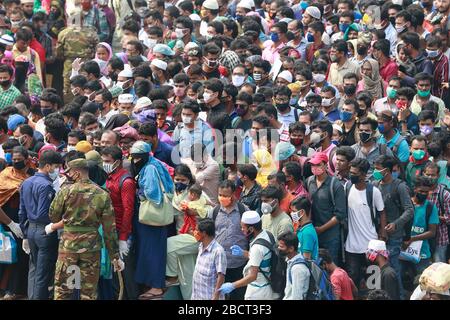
x=442, y=231
x=210, y=262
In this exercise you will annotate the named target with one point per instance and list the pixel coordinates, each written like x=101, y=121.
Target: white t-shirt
x=288, y=118
x=259, y=289
x=360, y=227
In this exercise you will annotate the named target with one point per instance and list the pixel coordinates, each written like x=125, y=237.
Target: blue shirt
x=36, y=195
x=332, y=116
x=403, y=149
x=412, y=123
x=420, y=225
x=308, y=241
x=163, y=153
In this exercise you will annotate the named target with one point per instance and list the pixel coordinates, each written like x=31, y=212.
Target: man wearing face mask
x=286, y=114
x=367, y=147
x=277, y=41
x=427, y=120
x=297, y=135
x=25, y=135
x=180, y=83
x=245, y=117
x=350, y=81
x=211, y=53
x=261, y=69
x=320, y=139
x=212, y=92
x=8, y=92
x=122, y=190
x=412, y=49
x=50, y=103
x=274, y=220
x=34, y=217
x=208, y=13
x=340, y=65
x=227, y=217
x=297, y=41
x=425, y=222
x=329, y=110
x=419, y=158
x=125, y=80
x=381, y=53
x=104, y=98
x=329, y=206
x=399, y=209
x=390, y=135
x=56, y=133
x=258, y=286
x=348, y=115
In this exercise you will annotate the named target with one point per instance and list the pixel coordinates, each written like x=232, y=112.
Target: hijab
x=373, y=84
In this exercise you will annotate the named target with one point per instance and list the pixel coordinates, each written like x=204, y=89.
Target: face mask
x=377, y=175
x=421, y=197
x=423, y=94
x=391, y=92
x=241, y=111
x=5, y=83
x=426, y=130
x=151, y=43
x=257, y=76
x=418, y=154
x=395, y=174
x=343, y=27
x=282, y=106
x=318, y=77
x=296, y=141
x=237, y=80
x=179, y=92
x=362, y=51
x=364, y=136
x=22, y=140
x=211, y=63
x=186, y=119
x=109, y=167
x=179, y=33
x=400, y=29
x=336, y=142
x=293, y=101
x=8, y=158
x=249, y=236
x=309, y=37
x=317, y=171
x=334, y=58
x=329, y=30
x=266, y=208
x=180, y=186
x=71, y=148
x=354, y=179
x=326, y=102
x=432, y=53
x=54, y=174
x=225, y=201
x=45, y=112
x=207, y=97
x=308, y=129
x=350, y=89
x=381, y=128
x=290, y=35
x=392, y=20
x=274, y=37
x=19, y=165
x=346, y=116
x=315, y=138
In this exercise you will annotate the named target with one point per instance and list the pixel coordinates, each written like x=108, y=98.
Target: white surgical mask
x=71, y=148
x=326, y=102
x=54, y=174
x=318, y=77
x=329, y=30
x=186, y=119
x=151, y=43
x=238, y=80
x=179, y=33
x=257, y=76
x=308, y=129
x=109, y=167
x=207, y=97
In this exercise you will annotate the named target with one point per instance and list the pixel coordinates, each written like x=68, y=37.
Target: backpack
x=277, y=277
x=330, y=159
x=320, y=287
x=428, y=212
x=123, y=178
x=241, y=209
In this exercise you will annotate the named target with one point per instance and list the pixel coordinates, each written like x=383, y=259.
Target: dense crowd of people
x=224, y=149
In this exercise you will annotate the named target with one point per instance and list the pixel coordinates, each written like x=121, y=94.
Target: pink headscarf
x=126, y=131
x=102, y=63
x=8, y=59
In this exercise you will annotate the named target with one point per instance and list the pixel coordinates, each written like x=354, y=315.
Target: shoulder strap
x=429, y=211
x=130, y=4
x=296, y=114
x=241, y=208
x=441, y=200
x=216, y=212
x=123, y=178
x=397, y=144
x=330, y=159
x=332, y=183
x=369, y=195
x=382, y=149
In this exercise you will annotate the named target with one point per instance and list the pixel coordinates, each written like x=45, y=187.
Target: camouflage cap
x=116, y=91
x=77, y=164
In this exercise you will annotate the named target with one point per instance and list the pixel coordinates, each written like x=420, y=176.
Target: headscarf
x=353, y=27
x=116, y=121
x=102, y=63
x=354, y=43
x=11, y=179
x=373, y=84
x=265, y=165
x=126, y=131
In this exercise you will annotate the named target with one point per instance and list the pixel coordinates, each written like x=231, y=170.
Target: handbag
x=412, y=253
x=157, y=215
x=8, y=247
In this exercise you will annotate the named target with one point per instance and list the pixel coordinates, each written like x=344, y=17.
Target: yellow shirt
x=336, y=74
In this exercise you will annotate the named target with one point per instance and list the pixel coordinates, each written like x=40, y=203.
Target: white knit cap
x=250, y=217
x=247, y=4
x=313, y=12
x=159, y=64
x=142, y=103
x=286, y=75
x=126, y=98
x=210, y=4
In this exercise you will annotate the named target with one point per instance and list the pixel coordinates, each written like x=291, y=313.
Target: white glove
x=119, y=265
x=15, y=228
x=48, y=228
x=123, y=248
x=25, y=246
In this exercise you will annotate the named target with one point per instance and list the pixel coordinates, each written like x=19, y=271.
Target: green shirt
x=8, y=96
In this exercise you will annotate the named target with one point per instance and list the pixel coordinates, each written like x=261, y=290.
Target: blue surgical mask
x=293, y=101
x=309, y=37
x=345, y=116
x=395, y=174
x=274, y=37
x=381, y=128
x=343, y=26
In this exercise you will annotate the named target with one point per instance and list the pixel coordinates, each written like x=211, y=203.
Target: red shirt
x=37, y=46
x=342, y=284
x=123, y=201
x=389, y=70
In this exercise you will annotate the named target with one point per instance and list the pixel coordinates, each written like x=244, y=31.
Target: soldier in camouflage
x=82, y=206
x=76, y=41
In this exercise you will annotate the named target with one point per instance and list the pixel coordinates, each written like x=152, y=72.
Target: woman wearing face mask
x=183, y=247
x=371, y=81
x=103, y=54
x=153, y=179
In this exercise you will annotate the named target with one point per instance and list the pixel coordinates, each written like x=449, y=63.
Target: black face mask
x=364, y=136
x=361, y=112
x=354, y=179
x=5, y=83
x=180, y=186
x=290, y=35
x=362, y=51
x=282, y=106
x=421, y=197
x=392, y=20
x=136, y=167
x=98, y=149
x=19, y=165
x=350, y=89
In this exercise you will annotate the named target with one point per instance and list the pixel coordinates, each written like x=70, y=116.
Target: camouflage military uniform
x=75, y=42
x=82, y=206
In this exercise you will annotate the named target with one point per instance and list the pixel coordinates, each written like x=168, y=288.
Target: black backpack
x=278, y=266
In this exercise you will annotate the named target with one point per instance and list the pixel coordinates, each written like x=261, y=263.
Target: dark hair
x=114, y=151
x=106, y=95
x=411, y=38
x=298, y=126
x=186, y=6
x=263, y=64
x=132, y=26
x=191, y=105
x=423, y=181
x=362, y=164
x=181, y=77
x=78, y=134
x=78, y=81
x=57, y=128
x=228, y=184
x=422, y=76
x=148, y=129
x=208, y=226
x=184, y=170
x=24, y=35
x=386, y=162
x=378, y=294
x=232, y=26
x=282, y=91
x=406, y=92
x=324, y=126
x=217, y=25
x=22, y=150
x=290, y=239
x=23, y=128
x=91, y=67
x=372, y=122
x=317, y=26
x=49, y=157
x=71, y=110
x=346, y=151
x=384, y=46
x=87, y=119
x=340, y=46
x=248, y=170
x=156, y=31
x=215, y=85
x=272, y=192
x=293, y=169
x=52, y=98
x=211, y=48
x=116, y=63
x=427, y=115
x=302, y=203
x=142, y=87
x=196, y=189
x=325, y=256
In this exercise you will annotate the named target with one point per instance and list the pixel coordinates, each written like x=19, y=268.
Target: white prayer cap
x=286, y=75
x=313, y=12
x=247, y=4
x=195, y=17
x=377, y=245
x=126, y=72
x=250, y=217
x=142, y=103
x=159, y=64
x=126, y=98
x=210, y=4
